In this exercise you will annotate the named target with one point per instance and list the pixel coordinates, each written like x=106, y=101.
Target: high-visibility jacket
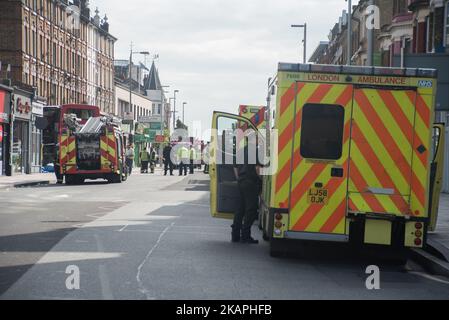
x=183, y=153
x=192, y=154
x=144, y=156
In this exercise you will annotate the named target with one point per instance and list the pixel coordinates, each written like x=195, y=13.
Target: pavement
x=441, y=234
x=23, y=180
x=435, y=256
x=152, y=237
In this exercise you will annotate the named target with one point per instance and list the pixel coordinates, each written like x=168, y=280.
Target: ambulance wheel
x=276, y=248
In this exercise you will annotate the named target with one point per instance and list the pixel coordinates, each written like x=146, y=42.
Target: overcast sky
x=218, y=53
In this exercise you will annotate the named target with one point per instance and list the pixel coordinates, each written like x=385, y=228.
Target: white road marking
x=124, y=227
x=106, y=291
x=142, y=288
x=429, y=277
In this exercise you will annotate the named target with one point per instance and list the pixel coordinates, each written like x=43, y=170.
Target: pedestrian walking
x=168, y=163
x=144, y=160
x=129, y=155
x=183, y=158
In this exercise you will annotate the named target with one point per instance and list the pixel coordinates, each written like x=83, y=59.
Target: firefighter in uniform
x=57, y=167
x=152, y=159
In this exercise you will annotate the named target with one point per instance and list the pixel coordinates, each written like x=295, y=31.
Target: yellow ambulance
x=358, y=157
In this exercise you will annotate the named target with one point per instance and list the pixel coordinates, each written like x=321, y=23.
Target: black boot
x=235, y=235
x=249, y=240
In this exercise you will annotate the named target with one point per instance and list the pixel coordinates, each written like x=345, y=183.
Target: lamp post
x=174, y=109
x=349, y=18
x=305, y=38
x=162, y=121
x=183, y=106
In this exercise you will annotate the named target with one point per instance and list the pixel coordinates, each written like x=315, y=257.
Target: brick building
x=51, y=52
x=59, y=49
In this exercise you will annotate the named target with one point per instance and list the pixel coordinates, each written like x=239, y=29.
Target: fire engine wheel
x=73, y=180
x=115, y=178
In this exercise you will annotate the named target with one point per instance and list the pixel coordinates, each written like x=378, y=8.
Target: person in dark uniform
x=248, y=184
x=57, y=167
x=168, y=164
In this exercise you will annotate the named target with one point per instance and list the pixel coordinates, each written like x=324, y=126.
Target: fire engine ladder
x=93, y=125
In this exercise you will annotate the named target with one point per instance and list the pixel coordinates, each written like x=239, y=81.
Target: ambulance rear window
x=322, y=131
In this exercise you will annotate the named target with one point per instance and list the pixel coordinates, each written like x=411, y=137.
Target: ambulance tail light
x=280, y=224
x=414, y=234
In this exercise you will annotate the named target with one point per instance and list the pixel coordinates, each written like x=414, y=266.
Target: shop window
x=322, y=131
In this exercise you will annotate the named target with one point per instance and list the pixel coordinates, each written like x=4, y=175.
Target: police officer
x=183, y=158
x=168, y=164
x=192, y=159
x=248, y=184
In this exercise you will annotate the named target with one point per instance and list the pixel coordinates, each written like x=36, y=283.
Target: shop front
x=5, y=111
x=20, y=152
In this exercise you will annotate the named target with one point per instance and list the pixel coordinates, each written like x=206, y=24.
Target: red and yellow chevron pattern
x=108, y=152
x=67, y=154
x=385, y=155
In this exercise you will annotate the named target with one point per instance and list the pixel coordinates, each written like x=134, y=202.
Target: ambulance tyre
x=276, y=246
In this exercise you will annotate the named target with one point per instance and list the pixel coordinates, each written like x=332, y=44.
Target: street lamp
x=162, y=121
x=305, y=38
x=349, y=18
x=174, y=109
x=183, y=105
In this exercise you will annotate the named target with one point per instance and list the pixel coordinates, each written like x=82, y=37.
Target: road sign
x=160, y=139
x=144, y=119
x=155, y=126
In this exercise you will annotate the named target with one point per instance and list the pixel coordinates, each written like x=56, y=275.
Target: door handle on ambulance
x=337, y=172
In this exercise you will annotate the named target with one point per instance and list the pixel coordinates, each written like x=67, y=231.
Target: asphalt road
x=153, y=238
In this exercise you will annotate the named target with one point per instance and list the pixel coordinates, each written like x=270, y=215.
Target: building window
x=322, y=131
